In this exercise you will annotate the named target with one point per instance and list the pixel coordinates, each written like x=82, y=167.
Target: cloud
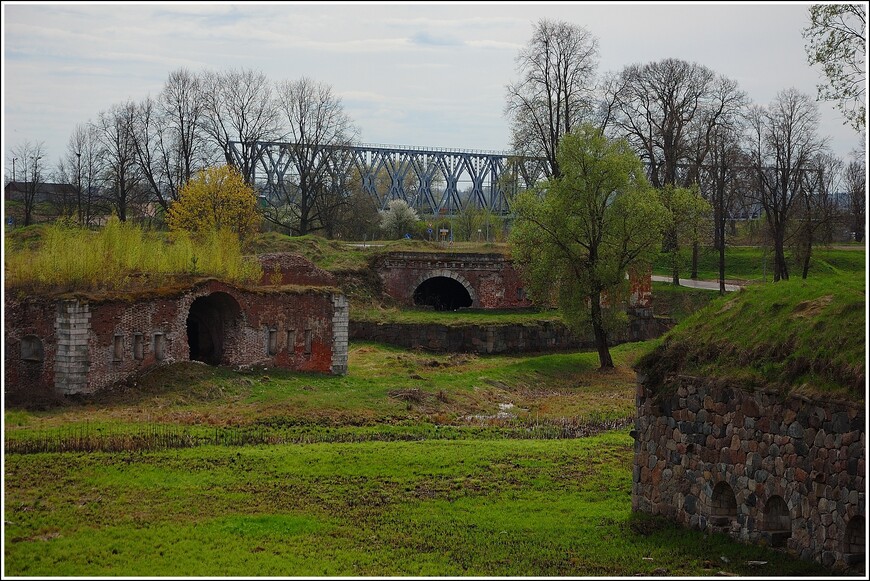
x=407, y=73
x=427, y=39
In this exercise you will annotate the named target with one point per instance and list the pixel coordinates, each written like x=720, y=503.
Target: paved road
x=704, y=284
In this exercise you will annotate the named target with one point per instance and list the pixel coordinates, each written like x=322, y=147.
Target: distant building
x=45, y=192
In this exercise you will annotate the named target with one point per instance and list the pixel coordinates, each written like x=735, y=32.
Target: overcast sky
x=408, y=74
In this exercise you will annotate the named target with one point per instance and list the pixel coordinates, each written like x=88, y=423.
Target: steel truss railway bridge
x=431, y=180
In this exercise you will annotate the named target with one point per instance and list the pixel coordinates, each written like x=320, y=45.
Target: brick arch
x=446, y=274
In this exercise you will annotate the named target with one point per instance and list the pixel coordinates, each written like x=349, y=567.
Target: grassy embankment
x=805, y=336
x=755, y=264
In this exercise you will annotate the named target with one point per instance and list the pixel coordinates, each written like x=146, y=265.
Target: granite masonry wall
x=514, y=338
x=787, y=471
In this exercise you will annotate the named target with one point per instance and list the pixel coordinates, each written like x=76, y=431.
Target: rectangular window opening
x=291, y=340
x=118, y=348
x=138, y=346
x=159, y=342
x=272, y=341
x=308, y=342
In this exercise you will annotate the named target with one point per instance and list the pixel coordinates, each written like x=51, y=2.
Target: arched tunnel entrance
x=211, y=323
x=442, y=293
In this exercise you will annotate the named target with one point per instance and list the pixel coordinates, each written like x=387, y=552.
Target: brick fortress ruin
x=296, y=318
x=452, y=280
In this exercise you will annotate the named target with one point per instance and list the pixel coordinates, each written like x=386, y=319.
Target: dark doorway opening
x=853, y=542
x=211, y=324
x=442, y=293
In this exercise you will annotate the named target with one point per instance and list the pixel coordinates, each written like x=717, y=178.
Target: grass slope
x=755, y=263
x=805, y=335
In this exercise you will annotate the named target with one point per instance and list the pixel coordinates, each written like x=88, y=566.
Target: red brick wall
x=293, y=269
x=309, y=314
x=28, y=381
x=493, y=280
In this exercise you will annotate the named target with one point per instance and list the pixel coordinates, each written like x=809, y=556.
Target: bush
x=399, y=219
x=216, y=199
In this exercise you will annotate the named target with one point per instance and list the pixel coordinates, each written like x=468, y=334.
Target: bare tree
x=238, y=106
x=317, y=129
x=152, y=150
x=81, y=166
x=815, y=207
x=28, y=157
x=181, y=106
x=120, y=171
x=169, y=142
x=555, y=92
x=721, y=177
x=855, y=181
x=784, y=143
x=720, y=114
x=670, y=111
x=656, y=108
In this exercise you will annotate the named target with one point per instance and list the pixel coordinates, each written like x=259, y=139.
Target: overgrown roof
x=797, y=336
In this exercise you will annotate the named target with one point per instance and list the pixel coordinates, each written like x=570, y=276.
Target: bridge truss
x=432, y=181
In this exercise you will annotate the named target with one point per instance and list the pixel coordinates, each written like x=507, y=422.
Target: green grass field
x=429, y=508
x=755, y=264
x=402, y=468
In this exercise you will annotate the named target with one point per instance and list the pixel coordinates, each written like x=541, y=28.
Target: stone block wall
x=786, y=471
x=71, y=363
x=340, y=334
x=515, y=338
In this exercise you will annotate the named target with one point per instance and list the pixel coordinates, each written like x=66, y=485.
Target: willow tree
x=577, y=235
x=837, y=41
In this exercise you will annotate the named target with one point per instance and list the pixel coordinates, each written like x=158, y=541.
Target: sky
x=413, y=74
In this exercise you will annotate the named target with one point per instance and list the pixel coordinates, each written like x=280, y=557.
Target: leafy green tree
x=216, y=199
x=577, y=235
x=837, y=40
x=687, y=215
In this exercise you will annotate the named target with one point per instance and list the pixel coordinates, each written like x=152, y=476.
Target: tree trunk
x=780, y=268
x=720, y=227
x=807, y=254
x=600, y=334
x=695, y=260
